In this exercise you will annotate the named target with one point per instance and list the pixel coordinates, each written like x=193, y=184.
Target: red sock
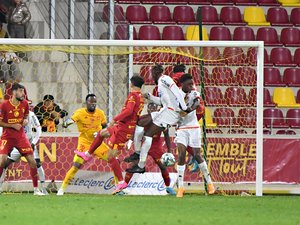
x=96, y=143
x=1, y=171
x=190, y=150
x=115, y=166
x=128, y=177
x=166, y=177
x=34, y=176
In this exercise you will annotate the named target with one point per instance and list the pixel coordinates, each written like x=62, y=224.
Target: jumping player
x=89, y=120
x=13, y=117
x=189, y=134
x=119, y=131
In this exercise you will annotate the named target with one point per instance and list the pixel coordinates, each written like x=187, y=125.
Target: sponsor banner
x=91, y=182
x=149, y=184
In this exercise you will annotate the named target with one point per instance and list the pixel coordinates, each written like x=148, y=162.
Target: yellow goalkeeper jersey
x=88, y=123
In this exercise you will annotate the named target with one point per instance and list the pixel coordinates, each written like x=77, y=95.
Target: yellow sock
x=69, y=176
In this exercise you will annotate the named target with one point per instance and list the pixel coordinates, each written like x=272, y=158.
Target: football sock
x=166, y=177
x=180, y=170
x=138, y=137
x=41, y=173
x=128, y=176
x=144, y=151
x=96, y=143
x=69, y=176
x=2, y=175
x=34, y=176
x=204, y=171
x=115, y=166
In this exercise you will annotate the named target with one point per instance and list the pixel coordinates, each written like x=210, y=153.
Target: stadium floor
x=70, y=209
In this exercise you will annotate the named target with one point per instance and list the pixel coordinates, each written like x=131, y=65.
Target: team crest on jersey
x=23, y=110
x=16, y=113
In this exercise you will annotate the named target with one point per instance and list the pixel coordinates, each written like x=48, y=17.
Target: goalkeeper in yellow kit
x=89, y=121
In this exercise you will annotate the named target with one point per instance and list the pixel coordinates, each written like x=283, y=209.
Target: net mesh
x=226, y=75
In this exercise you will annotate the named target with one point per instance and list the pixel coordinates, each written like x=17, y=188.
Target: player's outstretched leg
x=166, y=176
x=41, y=174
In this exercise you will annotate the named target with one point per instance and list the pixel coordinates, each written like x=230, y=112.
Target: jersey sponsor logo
x=165, y=82
x=14, y=120
x=89, y=183
x=159, y=186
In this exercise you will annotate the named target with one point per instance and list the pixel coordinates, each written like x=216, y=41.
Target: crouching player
x=33, y=132
x=155, y=152
x=189, y=134
x=119, y=131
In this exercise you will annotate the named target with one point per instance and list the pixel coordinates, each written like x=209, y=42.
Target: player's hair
x=157, y=69
x=137, y=81
x=185, y=77
x=179, y=68
x=89, y=95
x=48, y=97
x=17, y=86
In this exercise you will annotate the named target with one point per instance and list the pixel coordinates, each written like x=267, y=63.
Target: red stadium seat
x=291, y=77
x=119, y=16
x=298, y=96
x=162, y=57
x=222, y=75
x=243, y=34
x=149, y=32
x=184, y=15
x=172, y=33
x=236, y=96
x=272, y=77
x=290, y=37
x=224, y=117
x=221, y=2
x=121, y=32
x=246, y=76
x=141, y=56
x=268, y=102
x=186, y=55
x=214, y=96
x=145, y=72
x=286, y=132
x=209, y=15
x=281, y=57
x=212, y=56
x=237, y=131
x=231, y=15
x=252, y=55
x=247, y=117
x=220, y=34
x=168, y=70
x=268, y=35
x=297, y=56
x=278, y=17
x=273, y=118
x=295, y=16
x=245, y=2
x=137, y=14
x=268, y=3
x=252, y=97
x=195, y=72
x=234, y=56
x=293, y=118
x=161, y=14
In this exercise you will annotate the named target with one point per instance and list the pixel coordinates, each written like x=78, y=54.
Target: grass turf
x=23, y=209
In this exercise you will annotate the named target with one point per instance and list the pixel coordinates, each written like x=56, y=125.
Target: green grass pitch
x=70, y=209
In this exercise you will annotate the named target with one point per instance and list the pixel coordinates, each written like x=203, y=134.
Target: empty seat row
x=291, y=77
x=185, y=15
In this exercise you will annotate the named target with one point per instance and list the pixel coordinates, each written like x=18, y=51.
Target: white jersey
x=33, y=123
x=190, y=120
x=169, y=94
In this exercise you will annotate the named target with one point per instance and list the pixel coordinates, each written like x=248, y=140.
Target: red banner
x=229, y=160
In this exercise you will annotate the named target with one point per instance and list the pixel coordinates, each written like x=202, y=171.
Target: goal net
x=228, y=74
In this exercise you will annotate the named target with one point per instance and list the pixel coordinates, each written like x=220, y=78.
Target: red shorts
x=22, y=144
x=156, y=151
x=119, y=135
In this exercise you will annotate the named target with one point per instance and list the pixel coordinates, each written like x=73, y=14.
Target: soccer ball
x=168, y=159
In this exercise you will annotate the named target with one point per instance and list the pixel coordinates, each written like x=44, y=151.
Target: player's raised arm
x=127, y=109
x=156, y=100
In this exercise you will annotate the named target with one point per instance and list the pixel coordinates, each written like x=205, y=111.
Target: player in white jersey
x=33, y=132
x=172, y=102
x=188, y=133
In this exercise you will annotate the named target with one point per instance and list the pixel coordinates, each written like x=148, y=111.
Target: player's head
x=152, y=107
x=187, y=83
x=18, y=91
x=136, y=81
x=179, y=68
x=156, y=72
x=91, y=102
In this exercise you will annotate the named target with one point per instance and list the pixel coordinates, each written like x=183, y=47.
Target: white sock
x=138, y=137
x=41, y=174
x=2, y=177
x=204, y=171
x=87, y=154
x=144, y=151
x=180, y=171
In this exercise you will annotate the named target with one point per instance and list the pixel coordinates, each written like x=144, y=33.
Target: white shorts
x=15, y=155
x=189, y=137
x=165, y=117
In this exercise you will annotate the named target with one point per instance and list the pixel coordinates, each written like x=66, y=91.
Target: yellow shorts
x=101, y=152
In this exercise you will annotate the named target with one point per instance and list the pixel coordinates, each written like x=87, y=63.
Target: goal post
x=137, y=57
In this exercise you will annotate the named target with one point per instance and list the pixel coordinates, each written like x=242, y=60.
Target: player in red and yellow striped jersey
x=89, y=121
